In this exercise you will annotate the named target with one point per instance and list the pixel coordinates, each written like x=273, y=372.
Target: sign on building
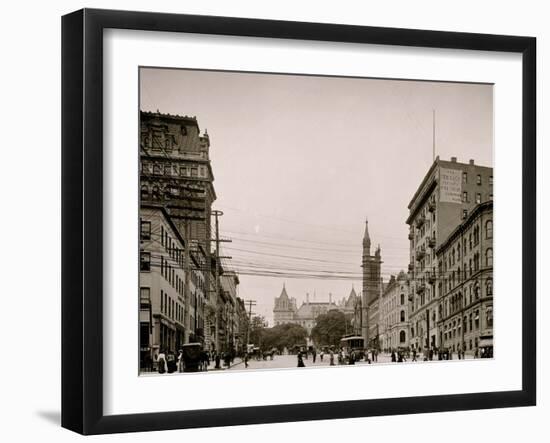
x=450, y=185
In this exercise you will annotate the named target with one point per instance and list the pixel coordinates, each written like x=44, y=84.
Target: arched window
x=402, y=299
x=489, y=229
x=402, y=316
x=489, y=287
x=144, y=192
x=489, y=257
x=402, y=337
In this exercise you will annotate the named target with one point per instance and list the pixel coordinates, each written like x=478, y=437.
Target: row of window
x=459, y=300
x=470, y=323
x=479, y=180
x=392, y=318
x=453, y=278
x=473, y=240
x=466, y=198
x=170, y=307
x=170, y=245
x=169, y=273
x=173, y=170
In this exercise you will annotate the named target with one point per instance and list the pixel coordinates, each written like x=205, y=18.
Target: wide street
x=291, y=361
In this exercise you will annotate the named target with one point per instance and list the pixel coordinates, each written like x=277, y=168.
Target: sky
x=300, y=162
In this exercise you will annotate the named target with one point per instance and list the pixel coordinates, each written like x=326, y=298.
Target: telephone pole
x=250, y=304
x=217, y=214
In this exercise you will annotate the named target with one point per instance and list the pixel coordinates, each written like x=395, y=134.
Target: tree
x=257, y=329
x=282, y=336
x=330, y=328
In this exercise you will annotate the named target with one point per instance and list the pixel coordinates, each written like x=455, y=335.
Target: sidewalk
x=212, y=367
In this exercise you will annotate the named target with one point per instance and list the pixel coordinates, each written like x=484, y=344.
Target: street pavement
x=291, y=361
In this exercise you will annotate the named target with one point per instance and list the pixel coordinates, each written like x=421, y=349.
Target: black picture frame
x=82, y=218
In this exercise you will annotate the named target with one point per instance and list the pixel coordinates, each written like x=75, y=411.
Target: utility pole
x=217, y=214
x=250, y=304
x=182, y=210
x=428, y=332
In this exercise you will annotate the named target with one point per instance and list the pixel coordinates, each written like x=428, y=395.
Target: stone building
x=465, y=261
x=176, y=177
x=394, y=315
x=447, y=195
x=372, y=291
x=229, y=310
x=165, y=324
x=285, y=309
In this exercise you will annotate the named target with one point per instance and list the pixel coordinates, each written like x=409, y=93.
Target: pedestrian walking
x=180, y=361
x=321, y=355
x=314, y=354
x=162, y=363
x=414, y=355
x=393, y=359
x=300, y=361
x=246, y=360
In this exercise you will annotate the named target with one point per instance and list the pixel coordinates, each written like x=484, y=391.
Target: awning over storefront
x=485, y=342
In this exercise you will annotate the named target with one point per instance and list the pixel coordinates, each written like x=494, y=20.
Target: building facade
x=164, y=324
x=446, y=196
x=394, y=315
x=372, y=291
x=176, y=178
x=465, y=307
x=285, y=309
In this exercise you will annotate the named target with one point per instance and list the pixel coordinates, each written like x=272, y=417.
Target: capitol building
x=287, y=311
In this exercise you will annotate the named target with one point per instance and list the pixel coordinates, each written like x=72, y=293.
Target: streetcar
x=353, y=343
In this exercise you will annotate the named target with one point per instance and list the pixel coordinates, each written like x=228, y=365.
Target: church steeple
x=283, y=292
x=366, y=239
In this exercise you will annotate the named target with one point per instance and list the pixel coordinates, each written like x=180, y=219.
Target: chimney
x=471, y=161
x=453, y=159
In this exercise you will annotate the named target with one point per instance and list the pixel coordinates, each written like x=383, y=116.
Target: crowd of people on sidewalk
x=167, y=362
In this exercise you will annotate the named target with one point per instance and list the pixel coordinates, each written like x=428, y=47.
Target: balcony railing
x=411, y=235
x=420, y=287
x=431, y=206
x=420, y=253
x=431, y=242
x=420, y=221
x=430, y=276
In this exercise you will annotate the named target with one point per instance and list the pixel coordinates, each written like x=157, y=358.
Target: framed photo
x=269, y=221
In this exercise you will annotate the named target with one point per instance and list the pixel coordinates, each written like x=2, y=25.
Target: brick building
x=447, y=195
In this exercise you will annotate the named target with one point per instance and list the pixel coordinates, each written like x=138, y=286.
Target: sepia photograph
x=305, y=221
